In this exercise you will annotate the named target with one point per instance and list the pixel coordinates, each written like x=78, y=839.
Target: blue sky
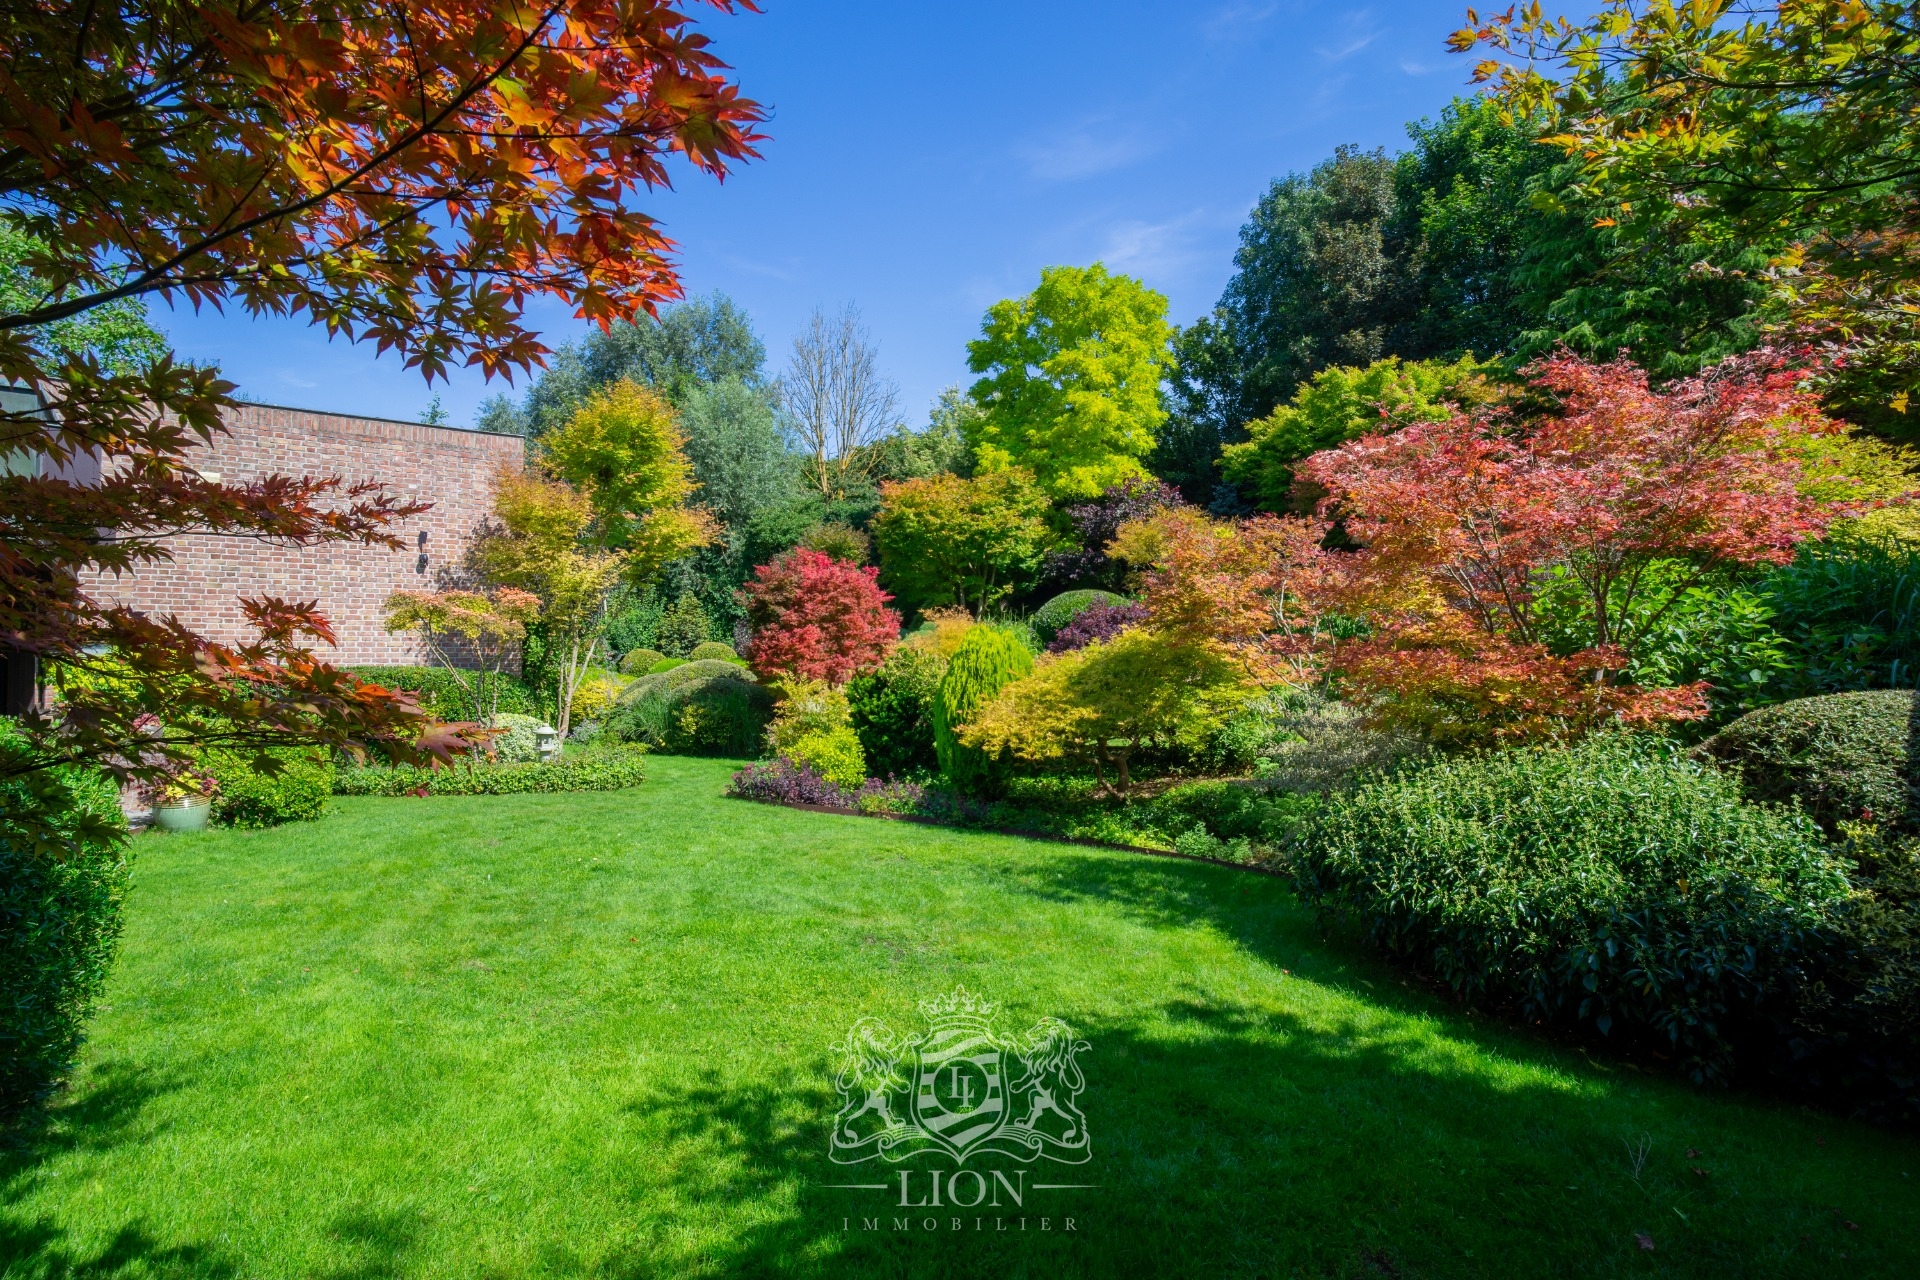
x=926, y=158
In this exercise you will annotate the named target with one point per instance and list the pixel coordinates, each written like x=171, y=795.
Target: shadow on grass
x=1231, y=1140
x=103, y=1116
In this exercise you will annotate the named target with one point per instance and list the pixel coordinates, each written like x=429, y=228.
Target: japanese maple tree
x=409, y=172
x=815, y=618
x=1460, y=521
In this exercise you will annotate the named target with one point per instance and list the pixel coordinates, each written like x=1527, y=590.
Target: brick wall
x=207, y=576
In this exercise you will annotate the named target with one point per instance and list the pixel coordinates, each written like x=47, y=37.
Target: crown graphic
x=961, y=1001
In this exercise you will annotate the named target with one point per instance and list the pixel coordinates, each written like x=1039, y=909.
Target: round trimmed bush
x=709, y=707
x=251, y=798
x=1613, y=887
x=60, y=915
x=1065, y=607
x=986, y=662
x=637, y=662
x=1842, y=755
x=712, y=649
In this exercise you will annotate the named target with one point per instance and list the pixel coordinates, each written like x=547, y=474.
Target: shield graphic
x=959, y=1086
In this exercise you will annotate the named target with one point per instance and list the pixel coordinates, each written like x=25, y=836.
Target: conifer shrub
x=892, y=711
x=985, y=663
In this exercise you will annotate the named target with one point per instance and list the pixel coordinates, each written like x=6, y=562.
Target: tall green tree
x=1070, y=385
x=690, y=345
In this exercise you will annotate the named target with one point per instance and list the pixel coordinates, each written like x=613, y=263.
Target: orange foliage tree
x=410, y=172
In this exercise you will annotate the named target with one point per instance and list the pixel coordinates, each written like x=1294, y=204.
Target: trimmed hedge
x=600, y=771
x=247, y=798
x=709, y=707
x=1841, y=755
x=63, y=882
x=1613, y=887
x=440, y=692
x=1056, y=613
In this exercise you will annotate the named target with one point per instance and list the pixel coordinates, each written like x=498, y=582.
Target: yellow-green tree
x=624, y=450
x=1071, y=385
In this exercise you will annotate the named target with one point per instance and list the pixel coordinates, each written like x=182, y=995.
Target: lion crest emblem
x=959, y=1089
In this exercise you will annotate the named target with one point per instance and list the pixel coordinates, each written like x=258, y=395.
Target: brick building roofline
x=370, y=417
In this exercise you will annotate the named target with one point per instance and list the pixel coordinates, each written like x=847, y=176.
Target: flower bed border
x=1083, y=841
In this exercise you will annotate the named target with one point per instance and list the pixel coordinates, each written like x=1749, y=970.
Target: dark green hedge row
x=608, y=770
x=440, y=693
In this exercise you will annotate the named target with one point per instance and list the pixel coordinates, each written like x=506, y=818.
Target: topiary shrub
x=986, y=662
x=638, y=662
x=1840, y=755
x=713, y=649
x=1056, y=613
x=709, y=707
x=63, y=880
x=253, y=798
x=892, y=711
x=1614, y=887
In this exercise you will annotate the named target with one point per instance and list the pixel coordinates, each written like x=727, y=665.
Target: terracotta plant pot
x=183, y=815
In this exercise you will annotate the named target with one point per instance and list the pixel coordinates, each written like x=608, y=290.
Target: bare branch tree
x=838, y=401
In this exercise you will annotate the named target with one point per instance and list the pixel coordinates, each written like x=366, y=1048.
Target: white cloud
x=1235, y=18
x=1360, y=31
x=1153, y=248
x=1084, y=150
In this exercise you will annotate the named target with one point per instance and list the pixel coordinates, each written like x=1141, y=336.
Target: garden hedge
x=254, y=798
x=1614, y=887
x=1841, y=755
x=440, y=693
x=599, y=771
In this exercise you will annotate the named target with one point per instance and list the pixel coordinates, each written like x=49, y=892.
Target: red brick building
x=207, y=576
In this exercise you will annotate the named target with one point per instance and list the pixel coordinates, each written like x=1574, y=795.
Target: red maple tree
x=410, y=172
x=1460, y=521
x=815, y=618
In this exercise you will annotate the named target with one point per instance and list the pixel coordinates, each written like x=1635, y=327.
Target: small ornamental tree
x=948, y=541
x=456, y=626
x=1101, y=703
x=1460, y=521
x=816, y=618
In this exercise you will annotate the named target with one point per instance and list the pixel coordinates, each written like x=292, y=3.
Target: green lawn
x=589, y=1035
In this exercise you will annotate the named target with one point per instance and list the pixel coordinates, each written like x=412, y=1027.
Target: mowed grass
x=590, y=1036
